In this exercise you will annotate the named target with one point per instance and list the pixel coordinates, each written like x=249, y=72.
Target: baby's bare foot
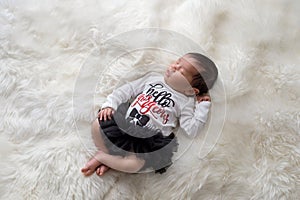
x=90, y=167
x=101, y=170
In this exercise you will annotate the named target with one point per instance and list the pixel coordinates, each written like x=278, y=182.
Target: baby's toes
x=98, y=171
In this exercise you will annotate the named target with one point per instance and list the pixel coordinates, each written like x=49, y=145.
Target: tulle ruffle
x=122, y=137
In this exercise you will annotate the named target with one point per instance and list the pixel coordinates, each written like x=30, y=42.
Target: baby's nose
x=174, y=66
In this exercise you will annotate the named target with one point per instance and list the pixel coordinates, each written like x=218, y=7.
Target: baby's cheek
x=184, y=82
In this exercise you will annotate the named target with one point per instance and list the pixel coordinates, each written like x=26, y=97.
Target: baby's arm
x=193, y=118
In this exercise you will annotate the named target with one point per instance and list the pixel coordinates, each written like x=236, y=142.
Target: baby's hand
x=105, y=113
x=203, y=98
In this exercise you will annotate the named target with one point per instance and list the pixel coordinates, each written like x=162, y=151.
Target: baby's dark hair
x=207, y=75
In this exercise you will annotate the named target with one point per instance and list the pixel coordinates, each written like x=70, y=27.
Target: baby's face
x=179, y=75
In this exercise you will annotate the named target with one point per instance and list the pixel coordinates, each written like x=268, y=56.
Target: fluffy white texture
x=44, y=44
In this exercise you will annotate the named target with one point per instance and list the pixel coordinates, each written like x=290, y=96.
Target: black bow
x=137, y=118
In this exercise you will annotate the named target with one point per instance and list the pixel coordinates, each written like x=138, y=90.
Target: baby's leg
x=129, y=164
x=98, y=140
x=97, y=137
x=94, y=165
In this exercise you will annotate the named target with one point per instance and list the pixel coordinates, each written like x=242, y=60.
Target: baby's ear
x=196, y=91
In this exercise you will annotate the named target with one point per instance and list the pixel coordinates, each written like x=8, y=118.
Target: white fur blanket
x=59, y=59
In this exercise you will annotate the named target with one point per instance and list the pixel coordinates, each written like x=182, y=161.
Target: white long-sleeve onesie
x=157, y=105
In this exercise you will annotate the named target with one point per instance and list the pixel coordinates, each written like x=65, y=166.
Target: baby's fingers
x=106, y=114
x=99, y=114
x=109, y=113
x=102, y=114
x=203, y=98
x=207, y=98
x=200, y=99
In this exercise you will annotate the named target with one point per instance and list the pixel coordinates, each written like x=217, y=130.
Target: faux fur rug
x=59, y=60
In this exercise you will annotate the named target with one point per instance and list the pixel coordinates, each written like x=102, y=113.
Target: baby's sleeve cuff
x=201, y=111
x=107, y=104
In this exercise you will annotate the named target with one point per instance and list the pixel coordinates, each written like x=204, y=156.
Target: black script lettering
x=163, y=98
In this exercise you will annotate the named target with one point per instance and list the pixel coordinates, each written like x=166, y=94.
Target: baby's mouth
x=169, y=73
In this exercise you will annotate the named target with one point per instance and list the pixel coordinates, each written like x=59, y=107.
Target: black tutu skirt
x=122, y=138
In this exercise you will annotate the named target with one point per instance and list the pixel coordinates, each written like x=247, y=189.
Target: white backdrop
x=44, y=143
